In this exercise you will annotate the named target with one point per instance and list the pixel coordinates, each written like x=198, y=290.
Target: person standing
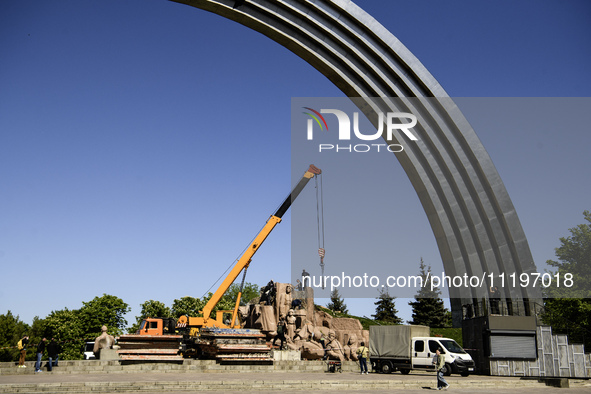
x=281, y=328
x=323, y=343
x=495, y=298
x=53, y=351
x=22, y=347
x=439, y=361
x=305, y=279
x=363, y=353
x=40, y=351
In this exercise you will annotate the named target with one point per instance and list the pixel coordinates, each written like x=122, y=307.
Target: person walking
x=439, y=361
x=22, y=347
x=40, y=351
x=53, y=351
x=363, y=353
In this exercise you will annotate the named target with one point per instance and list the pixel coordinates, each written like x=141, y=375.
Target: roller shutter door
x=513, y=346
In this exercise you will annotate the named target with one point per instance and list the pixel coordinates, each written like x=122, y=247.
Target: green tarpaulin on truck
x=394, y=341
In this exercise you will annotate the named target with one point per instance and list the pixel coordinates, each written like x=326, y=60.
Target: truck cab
x=157, y=326
x=456, y=359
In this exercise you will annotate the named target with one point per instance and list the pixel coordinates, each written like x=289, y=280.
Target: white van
x=456, y=359
x=88, y=351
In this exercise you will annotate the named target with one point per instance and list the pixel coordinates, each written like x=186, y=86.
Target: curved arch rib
x=468, y=207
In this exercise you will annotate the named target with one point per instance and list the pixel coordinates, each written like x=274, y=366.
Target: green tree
x=150, y=308
x=153, y=308
x=65, y=326
x=568, y=308
x=448, y=322
x=428, y=308
x=249, y=292
x=189, y=306
x=337, y=304
x=12, y=329
x=192, y=306
x=574, y=258
x=386, y=308
x=107, y=310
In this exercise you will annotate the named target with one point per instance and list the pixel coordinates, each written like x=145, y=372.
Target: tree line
x=72, y=328
x=427, y=309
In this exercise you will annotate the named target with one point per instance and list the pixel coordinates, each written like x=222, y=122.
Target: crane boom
x=246, y=257
x=203, y=336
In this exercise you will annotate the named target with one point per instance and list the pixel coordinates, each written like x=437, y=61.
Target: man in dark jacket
x=53, y=351
x=40, y=350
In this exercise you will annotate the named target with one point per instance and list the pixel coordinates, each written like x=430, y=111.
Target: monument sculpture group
x=315, y=333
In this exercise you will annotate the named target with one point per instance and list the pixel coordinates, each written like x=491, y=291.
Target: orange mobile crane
x=204, y=336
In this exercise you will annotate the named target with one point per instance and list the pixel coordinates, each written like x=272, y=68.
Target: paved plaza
x=268, y=382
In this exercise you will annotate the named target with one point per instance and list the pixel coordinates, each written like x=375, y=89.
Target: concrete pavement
x=269, y=382
x=79, y=377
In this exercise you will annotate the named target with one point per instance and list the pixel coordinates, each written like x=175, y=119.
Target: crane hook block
x=314, y=170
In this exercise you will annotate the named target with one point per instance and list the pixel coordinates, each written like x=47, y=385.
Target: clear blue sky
x=144, y=143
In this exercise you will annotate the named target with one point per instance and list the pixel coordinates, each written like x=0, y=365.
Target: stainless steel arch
x=473, y=219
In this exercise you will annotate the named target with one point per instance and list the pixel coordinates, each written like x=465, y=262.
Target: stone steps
x=185, y=366
x=294, y=384
x=206, y=375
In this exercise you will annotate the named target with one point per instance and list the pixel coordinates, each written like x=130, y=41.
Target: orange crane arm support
x=246, y=257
